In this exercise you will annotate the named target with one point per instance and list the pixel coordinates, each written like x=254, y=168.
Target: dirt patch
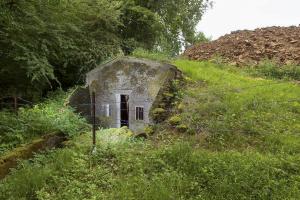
x=281, y=44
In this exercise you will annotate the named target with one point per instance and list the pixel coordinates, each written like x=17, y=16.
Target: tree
x=50, y=44
x=141, y=27
x=200, y=37
x=179, y=19
x=46, y=44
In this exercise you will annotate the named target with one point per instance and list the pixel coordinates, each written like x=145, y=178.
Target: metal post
x=16, y=104
x=94, y=119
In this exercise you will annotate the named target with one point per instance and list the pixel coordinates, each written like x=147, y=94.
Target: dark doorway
x=124, y=110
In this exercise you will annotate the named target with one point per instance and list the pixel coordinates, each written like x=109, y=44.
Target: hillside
x=281, y=44
x=232, y=136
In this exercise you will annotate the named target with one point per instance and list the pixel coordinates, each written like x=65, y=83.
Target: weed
x=159, y=56
x=236, y=109
x=44, y=118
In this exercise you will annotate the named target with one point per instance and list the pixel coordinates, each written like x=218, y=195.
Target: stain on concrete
x=140, y=79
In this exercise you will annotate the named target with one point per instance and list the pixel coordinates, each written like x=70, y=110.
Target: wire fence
x=123, y=112
x=16, y=102
x=101, y=106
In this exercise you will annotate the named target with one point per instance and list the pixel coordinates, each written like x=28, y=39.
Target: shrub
x=175, y=120
x=182, y=128
x=158, y=114
x=44, y=118
x=154, y=55
x=180, y=107
x=149, y=130
x=271, y=69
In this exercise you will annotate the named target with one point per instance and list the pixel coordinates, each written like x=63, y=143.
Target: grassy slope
x=250, y=151
x=241, y=109
x=124, y=169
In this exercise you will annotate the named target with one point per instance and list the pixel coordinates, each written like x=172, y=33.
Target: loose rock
x=281, y=44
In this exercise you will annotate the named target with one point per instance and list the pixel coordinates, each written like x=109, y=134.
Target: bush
x=32, y=176
x=270, y=69
x=175, y=120
x=149, y=130
x=44, y=118
x=158, y=114
x=182, y=128
x=159, y=56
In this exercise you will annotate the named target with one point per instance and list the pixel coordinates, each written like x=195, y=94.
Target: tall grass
x=238, y=108
x=270, y=69
x=137, y=170
x=44, y=118
x=249, y=149
x=152, y=55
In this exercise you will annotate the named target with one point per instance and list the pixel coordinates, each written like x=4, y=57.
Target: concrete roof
x=152, y=63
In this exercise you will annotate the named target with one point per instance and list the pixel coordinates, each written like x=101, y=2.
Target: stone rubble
x=281, y=44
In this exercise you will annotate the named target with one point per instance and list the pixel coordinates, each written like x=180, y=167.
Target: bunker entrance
x=124, y=110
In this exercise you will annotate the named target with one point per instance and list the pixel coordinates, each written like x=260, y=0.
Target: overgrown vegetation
x=152, y=55
x=270, y=69
x=238, y=111
x=239, y=139
x=127, y=169
x=49, y=44
x=48, y=117
x=234, y=132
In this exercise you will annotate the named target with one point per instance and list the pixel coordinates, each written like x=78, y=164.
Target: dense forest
x=46, y=45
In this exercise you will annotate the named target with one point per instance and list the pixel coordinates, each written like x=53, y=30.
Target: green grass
x=270, y=69
x=127, y=169
x=242, y=142
x=238, y=110
x=44, y=118
x=159, y=56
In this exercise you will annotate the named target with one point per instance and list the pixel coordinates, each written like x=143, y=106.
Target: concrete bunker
x=126, y=91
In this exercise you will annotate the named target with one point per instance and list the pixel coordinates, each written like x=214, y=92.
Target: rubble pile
x=281, y=44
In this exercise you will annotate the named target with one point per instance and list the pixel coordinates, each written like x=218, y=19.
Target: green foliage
x=270, y=69
x=236, y=110
x=135, y=17
x=180, y=107
x=159, y=114
x=182, y=128
x=44, y=118
x=159, y=111
x=159, y=56
x=45, y=44
x=29, y=178
x=175, y=120
x=149, y=130
x=200, y=38
x=137, y=170
x=179, y=19
x=51, y=44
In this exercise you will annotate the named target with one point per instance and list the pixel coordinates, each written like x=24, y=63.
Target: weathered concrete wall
x=80, y=100
x=140, y=79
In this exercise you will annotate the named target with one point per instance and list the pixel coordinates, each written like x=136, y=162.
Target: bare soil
x=281, y=44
